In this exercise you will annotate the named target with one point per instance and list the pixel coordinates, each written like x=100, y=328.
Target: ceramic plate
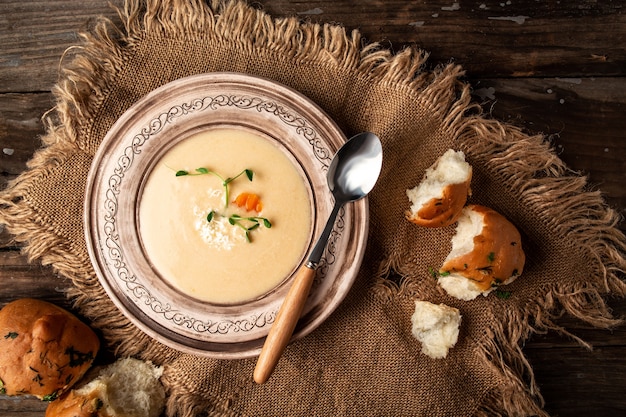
x=124, y=160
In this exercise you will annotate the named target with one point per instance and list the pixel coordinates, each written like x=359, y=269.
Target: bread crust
x=44, y=349
x=443, y=211
x=497, y=257
x=73, y=404
x=128, y=387
x=439, y=198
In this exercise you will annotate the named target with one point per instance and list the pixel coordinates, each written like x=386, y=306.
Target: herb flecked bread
x=438, y=199
x=44, y=349
x=486, y=253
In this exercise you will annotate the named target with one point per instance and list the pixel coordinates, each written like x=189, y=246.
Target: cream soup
x=184, y=219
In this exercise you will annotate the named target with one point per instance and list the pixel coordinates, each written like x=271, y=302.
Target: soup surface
x=191, y=231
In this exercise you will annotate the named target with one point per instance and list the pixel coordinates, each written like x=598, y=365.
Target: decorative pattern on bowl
x=132, y=147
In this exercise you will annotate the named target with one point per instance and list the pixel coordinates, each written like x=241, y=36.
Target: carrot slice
x=250, y=201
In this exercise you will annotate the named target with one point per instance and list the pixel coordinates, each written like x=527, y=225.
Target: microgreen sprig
x=505, y=295
x=248, y=224
x=225, y=181
x=436, y=274
x=51, y=397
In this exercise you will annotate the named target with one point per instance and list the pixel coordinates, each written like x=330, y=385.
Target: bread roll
x=127, y=388
x=436, y=327
x=438, y=199
x=44, y=349
x=486, y=253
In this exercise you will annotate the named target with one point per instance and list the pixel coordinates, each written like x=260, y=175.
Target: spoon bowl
x=352, y=174
x=351, y=178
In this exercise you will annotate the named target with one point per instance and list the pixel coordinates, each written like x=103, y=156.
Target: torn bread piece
x=486, y=253
x=438, y=199
x=44, y=349
x=436, y=327
x=127, y=388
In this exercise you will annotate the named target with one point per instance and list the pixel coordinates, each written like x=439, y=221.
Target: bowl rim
x=355, y=228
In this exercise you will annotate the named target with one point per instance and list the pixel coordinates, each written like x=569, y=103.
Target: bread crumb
x=436, y=327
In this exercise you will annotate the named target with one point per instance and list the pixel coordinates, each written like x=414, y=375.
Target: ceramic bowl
x=122, y=164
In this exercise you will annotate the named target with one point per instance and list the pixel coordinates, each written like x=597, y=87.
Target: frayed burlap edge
x=543, y=181
x=552, y=191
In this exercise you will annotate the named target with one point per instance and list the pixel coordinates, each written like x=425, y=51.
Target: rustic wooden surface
x=557, y=68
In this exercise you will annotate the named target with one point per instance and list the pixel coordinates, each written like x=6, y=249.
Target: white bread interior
x=469, y=224
x=460, y=287
x=451, y=168
x=127, y=388
x=436, y=327
x=471, y=268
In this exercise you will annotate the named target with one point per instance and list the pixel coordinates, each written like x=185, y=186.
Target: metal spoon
x=351, y=176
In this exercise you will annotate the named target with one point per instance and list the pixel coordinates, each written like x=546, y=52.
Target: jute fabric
x=363, y=361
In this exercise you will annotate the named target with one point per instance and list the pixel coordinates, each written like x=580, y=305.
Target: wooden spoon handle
x=282, y=329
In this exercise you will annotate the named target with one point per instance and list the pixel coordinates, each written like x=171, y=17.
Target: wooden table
x=557, y=68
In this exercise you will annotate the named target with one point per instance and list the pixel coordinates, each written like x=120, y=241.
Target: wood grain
x=576, y=382
x=20, y=128
x=22, y=407
x=35, y=34
x=22, y=279
x=583, y=117
x=489, y=38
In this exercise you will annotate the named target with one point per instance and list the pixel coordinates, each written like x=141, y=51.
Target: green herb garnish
x=225, y=181
x=51, y=397
x=3, y=390
x=436, y=274
x=38, y=379
x=491, y=257
x=11, y=335
x=78, y=358
x=248, y=224
x=505, y=295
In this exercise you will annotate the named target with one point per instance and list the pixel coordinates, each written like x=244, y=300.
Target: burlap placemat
x=363, y=361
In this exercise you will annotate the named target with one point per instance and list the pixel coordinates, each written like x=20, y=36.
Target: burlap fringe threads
x=547, y=184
